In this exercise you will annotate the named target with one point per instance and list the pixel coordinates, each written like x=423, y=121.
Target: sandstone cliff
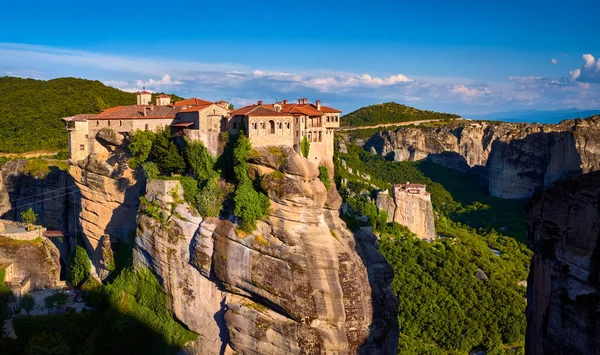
x=564, y=283
x=109, y=197
x=414, y=211
x=53, y=197
x=519, y=158
x=300, y=284
x=38, y=259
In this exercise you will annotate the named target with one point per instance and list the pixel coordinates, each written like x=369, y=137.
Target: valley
x=375, y=240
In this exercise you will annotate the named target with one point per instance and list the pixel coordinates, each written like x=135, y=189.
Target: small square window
x=81, y=147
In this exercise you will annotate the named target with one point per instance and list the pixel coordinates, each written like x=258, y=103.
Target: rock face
x=520, y=158
x=53, y=197
x=413, y=210
x=109, y=197
x=564, y=282
x=300, y=284
x=39, y=260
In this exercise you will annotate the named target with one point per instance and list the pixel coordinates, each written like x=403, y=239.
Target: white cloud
x=589, y=71
x=554, y=61
x=152, y=84
x=470, y=93
x=574, y=74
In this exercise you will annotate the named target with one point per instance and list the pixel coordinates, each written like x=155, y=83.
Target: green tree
x=27, y=302
x=324, y=176
x=305, y=146
x=47, y=343
x=140, y=147
x=250, y=205
x=209, y=200
x=166, y=154
x=231, y=107
x=79, y=266
x=29, y=217
x=200, y=161
x=150, y=170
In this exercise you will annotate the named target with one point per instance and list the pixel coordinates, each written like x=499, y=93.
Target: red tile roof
x=289, y=109
x=260, y=111
x=197, y=108
x=192, y=102
x=143, y=92
x=164, y=96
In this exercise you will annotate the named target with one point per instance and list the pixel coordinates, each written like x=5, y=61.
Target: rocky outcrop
x=37, y=259
x=53, y=197
x=520, y=158
x=564, y=282
x=301, y=283
x=109, y=197
x=412, y=210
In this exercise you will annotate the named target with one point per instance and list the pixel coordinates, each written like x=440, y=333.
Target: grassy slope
x=390, y=112
x=31, y=110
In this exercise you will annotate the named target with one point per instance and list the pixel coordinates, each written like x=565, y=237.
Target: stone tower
x=144, y=97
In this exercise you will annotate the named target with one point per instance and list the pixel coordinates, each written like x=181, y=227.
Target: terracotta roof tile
x=164, y=96
x=143, y=92
x=256, y=110
x=192, y=102
x=197, y=108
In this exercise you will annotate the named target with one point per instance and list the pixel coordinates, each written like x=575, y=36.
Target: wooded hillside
x=31, y=110
x=390, y=112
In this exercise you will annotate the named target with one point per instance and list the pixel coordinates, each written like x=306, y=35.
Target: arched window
x=120, y=123
x=262, y=125
x=309, y=137
x=254, y=125
x=279, y=125
x=97, y=123
x=146, y=126
x=287, y=125
x=271, y=127
x=109, y=123
x=320, y=137
x=336, y=118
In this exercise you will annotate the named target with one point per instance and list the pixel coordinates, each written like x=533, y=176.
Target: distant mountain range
x=540, y=116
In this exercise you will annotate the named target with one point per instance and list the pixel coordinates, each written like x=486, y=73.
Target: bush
x=305, y=146
x=140, y=147
x=29, y=217
x=79, y=266
x=209, y=200
x=137, y=293
x=250, y=205
x=166, y=154
x=324, y=176
x=27, y=303
x=200, y=161
x=150, y=170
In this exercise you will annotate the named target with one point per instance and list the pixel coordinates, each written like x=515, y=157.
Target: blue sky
x=467, y=57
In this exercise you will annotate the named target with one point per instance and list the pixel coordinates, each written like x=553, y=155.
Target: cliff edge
x=564, y=282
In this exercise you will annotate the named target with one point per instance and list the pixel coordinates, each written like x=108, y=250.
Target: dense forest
x=31, y=111
x=390, y=112
x=443, y=307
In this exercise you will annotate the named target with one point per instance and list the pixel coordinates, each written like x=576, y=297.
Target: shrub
x=79, y=266
x=209, y=200
x=137, y=293
x=27, y=302
x=140, y=147
x=324, y=176
x=166, y=154
x=305, y=146
x=29, y=217
x=250, y=205
x=150, y=170
x=200, y=161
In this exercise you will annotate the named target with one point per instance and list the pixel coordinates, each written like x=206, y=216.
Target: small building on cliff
x=409, y=205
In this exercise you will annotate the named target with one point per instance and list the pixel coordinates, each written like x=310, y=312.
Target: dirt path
x=390, y=125
x=30, y=154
